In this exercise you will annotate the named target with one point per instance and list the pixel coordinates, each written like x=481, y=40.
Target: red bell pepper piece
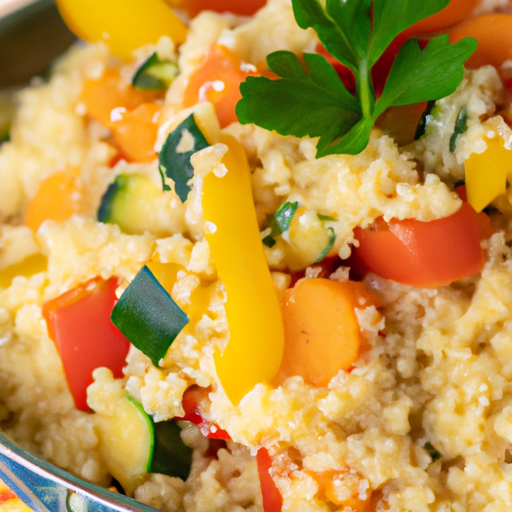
x=272, y=499
x=427, y=254
x=190, y=403
x=79, y=323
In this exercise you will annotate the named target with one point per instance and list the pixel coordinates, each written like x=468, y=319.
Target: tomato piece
x=194, y=7
x=272, y=499
x=191, y=399
x=427, y=254
x=218, y=80
x=79, y=323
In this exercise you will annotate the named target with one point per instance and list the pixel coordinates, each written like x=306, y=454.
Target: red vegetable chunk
x=272, y=499
x=427, y=254
x=79, y=323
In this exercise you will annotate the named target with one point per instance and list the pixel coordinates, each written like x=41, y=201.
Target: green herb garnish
x=434, y=454
x=281, y=222
x=174, y=157
x=422, y=125
x=461, y=125
x=309, y=99
x=155, y=74
x=146, y=314
x=328, y=247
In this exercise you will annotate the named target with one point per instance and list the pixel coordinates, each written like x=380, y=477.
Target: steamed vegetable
x=79, y=323
x=124, y=25
x=256, y=336
x=135, y=204
x=322, y=335
x=133, y=445
x=218, y=80
x=272, y=499
x=429, y=254
x=486, y=173
x=155, y=74
x=148, y=317
x=309, y=99
x=57, y=198
x=174, y=157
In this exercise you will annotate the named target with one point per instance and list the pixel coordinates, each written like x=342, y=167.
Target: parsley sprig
x=309, y=99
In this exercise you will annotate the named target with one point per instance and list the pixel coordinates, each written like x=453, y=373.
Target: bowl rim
x=52, y=473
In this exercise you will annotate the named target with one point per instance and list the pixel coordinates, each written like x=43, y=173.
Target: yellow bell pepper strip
x=256, y=333
x=28, y=267
x=124, y=25
x=486, y=174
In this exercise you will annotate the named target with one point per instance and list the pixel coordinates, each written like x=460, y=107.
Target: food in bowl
x=289, y=294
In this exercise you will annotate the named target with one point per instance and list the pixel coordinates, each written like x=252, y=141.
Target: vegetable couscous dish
x=256, y=256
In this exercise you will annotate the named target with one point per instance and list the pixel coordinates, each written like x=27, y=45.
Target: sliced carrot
x=494, y=35
x=455, y=12
x=322, y=335
x=57, y=198
x=218, y=80
x=101, y=96
x=135, y=132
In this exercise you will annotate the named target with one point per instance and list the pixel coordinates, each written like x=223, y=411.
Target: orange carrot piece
x=101, y=96
x=135, y=132
x=218, y=80
x=455, y=12
x=57, y=198
x=322, y=335
x=494, y=35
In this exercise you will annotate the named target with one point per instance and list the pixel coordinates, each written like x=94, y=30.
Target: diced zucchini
x=133, y=445
x=136, y=205
x=128, y=438
x=155, y=74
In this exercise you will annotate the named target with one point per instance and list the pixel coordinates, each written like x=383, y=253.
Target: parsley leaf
x=309, y=99
x=281, y=222
x=315, y=94
x=329, y=246
x=422, y=75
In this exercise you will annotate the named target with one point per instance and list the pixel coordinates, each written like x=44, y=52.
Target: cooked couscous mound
x=422, y=418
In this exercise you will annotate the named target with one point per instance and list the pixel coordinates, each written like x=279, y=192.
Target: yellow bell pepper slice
x=486, y=174
x=124, y=25
x=256, y=332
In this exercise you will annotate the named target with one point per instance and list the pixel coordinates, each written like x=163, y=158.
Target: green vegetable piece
x=171, y=456
x=422, y=125
x=135, y=204
x=155, y=74
x=163, y=451
x=461, y=125
x=432, y=451
x=148, y=317
x=176, y=152
x=325, y=217
x=281, y=222
x=311, y=100
x=328, y=247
